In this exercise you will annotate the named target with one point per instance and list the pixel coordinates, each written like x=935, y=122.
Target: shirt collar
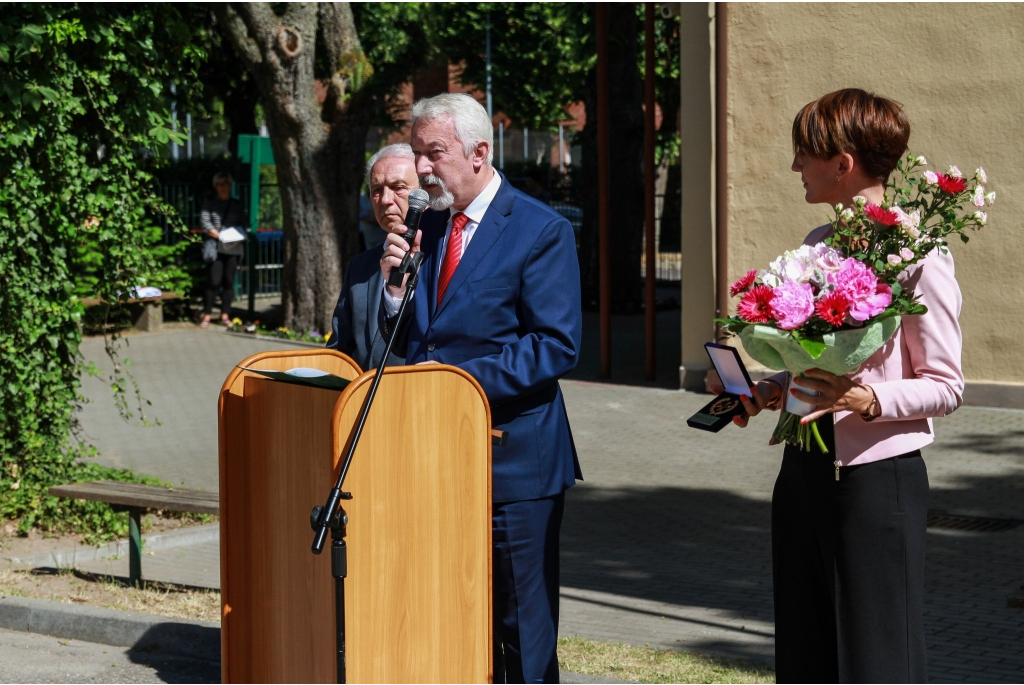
x=478, y=207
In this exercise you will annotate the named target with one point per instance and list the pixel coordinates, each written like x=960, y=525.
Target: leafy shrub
x=83, y=115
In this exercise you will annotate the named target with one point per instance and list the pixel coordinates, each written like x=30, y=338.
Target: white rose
x=990, y=198
x=860, y=200
x=979, y=174
x=954, y=172
x=893, y=259
x=769, y=279
x=978, y=198
x=921, y=160
x=906, y=253
x=980, y=217
x=931, y=177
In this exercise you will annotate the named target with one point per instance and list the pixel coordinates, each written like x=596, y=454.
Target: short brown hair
x=871, y=127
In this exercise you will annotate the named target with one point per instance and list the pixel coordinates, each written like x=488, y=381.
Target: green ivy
x=84, y=111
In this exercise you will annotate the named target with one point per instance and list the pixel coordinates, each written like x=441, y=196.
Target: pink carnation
x=868, y=298
x=793, y=304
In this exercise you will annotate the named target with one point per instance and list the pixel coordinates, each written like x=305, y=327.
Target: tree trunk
x=314, y=162
x=626, y=140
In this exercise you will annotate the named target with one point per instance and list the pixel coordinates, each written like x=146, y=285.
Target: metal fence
x=269, y=257
x=668, y=234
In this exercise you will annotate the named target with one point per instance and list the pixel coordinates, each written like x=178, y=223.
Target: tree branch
x=349, y=66
x=238, y=34
x=338, y=30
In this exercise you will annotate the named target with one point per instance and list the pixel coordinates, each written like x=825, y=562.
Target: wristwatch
x=873, y=411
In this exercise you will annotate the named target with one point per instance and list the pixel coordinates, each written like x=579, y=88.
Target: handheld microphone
x=418, y=203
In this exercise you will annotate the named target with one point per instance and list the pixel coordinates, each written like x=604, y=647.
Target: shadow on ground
x=681, y=546
x=712, y=549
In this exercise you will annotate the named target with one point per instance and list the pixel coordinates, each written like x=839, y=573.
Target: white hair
x=468, y=117
x=403, y=150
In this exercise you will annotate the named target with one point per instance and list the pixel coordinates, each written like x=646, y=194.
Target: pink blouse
x=917, y=373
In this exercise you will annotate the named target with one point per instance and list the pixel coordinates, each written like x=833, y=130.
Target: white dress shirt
x=475, y=214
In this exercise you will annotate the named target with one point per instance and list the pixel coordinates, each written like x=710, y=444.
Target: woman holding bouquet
x=848, y=527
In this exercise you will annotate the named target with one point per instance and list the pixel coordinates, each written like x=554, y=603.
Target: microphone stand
x=332, y=515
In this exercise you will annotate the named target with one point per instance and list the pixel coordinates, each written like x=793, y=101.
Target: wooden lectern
x=418, y=591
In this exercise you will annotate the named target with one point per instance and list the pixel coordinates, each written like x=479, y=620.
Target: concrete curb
x=271, y=339
x=140, y=632
x=66, y=558
x=143, y=632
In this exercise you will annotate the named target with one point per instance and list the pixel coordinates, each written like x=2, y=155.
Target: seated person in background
x=390, y=176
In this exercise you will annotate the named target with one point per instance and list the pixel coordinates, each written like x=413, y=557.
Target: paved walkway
x=667, y=542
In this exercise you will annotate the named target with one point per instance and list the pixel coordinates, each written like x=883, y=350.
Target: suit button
x=430, y=347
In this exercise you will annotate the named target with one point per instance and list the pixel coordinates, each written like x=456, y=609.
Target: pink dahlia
x=951, y=184
x=833, y=308
x=793, y=304
x=743, y=285
x=756, y=305
x=886, y=217
x=859, y=284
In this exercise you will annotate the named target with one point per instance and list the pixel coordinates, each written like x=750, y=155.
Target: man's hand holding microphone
x=401, y=249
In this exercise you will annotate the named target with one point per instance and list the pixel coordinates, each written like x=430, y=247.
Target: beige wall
x=697, y=166
x=959, y=72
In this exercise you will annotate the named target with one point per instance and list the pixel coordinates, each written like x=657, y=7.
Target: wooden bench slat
x=93, y=301
x=143, y=496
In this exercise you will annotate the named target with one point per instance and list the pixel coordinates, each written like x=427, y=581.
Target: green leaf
x=815, y=348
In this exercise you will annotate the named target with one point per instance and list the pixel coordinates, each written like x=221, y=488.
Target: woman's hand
x=213, y=233
x=763, y=395
x=835, y=393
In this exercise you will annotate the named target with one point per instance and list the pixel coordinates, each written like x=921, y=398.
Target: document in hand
x=230, y=235
x=304, y=376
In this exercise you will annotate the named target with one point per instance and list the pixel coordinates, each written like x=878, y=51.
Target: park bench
x=136, y=498
x=147, y=312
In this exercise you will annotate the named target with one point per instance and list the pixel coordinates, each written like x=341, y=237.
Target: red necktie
x=452, y=255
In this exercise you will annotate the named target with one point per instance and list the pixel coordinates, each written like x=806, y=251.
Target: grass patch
x=76, y=587
x=646, y=665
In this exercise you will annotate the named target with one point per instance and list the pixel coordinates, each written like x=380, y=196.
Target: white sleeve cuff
x=392, y=304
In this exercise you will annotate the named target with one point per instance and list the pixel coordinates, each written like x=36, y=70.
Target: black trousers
x=848, y=568
x=221, y=272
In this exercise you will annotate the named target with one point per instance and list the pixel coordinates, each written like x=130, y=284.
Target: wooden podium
x=418, y=591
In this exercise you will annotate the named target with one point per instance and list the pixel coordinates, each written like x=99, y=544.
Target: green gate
x=264, y=254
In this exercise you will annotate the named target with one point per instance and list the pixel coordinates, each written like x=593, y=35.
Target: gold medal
x=723, y=405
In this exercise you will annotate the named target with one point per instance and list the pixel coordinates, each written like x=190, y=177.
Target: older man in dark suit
x=390, y=176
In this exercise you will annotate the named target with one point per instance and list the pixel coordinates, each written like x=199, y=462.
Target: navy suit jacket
x=511, y=317
x=356, y=328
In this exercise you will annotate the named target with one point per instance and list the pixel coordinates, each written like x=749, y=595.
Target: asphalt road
x=33, y=658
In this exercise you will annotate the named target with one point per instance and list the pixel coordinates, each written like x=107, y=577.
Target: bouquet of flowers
x=832, y=305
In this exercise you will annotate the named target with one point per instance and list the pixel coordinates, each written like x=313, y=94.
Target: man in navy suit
x=390, y=177
x=499, y=297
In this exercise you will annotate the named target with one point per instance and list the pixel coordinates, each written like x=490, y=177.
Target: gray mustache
x=432, y=180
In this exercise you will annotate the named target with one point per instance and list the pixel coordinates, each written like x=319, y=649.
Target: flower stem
x=817, y=437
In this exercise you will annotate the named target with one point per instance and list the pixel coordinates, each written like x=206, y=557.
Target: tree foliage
x=83, y=106
x=540, y=54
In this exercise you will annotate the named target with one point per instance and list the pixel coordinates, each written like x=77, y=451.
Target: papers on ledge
x=304, y=376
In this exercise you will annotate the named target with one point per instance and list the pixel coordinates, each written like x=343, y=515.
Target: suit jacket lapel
x=487, y=233
x=375, y=288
